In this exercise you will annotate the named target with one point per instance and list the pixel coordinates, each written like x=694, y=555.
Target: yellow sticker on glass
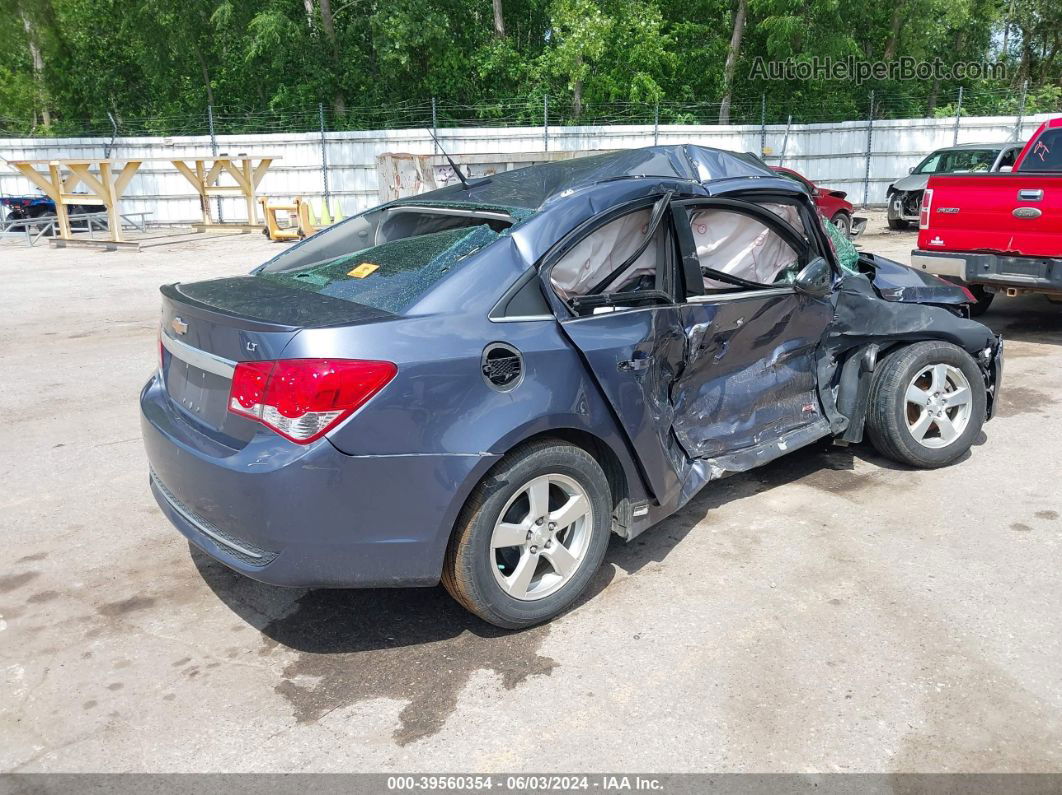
x=363, y=270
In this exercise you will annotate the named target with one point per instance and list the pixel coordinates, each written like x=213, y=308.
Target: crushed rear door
x=635, y=355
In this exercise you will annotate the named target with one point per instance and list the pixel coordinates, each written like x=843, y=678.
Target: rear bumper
x=1030, y=274
x=305, y=516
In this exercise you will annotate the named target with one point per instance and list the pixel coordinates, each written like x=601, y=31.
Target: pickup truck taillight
x=302, y=399
x=927, y=203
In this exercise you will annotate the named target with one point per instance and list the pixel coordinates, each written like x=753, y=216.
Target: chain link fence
x=331, y=155
x=545, y=111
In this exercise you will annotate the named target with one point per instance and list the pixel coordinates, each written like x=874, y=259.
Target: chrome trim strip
x=752, y=293
x=207, y=362
x=613, y=309
x=521, y=318
x=941, y=266
x=219, y=540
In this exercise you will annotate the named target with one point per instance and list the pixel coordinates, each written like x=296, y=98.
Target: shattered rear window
x=391, y=276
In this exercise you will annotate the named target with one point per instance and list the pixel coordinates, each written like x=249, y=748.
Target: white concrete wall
x=831, y=154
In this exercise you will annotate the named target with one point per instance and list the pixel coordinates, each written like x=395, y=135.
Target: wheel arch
x=862, y=366
x=889, y=435
x=624, y=478
x=610, y=462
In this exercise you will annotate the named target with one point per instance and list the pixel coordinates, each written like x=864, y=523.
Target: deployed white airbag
x=741, y=245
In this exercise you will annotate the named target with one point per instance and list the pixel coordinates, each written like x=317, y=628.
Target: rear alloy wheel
x=531, y=536
x=843, y=222
x=927, y=404
x=541, y=537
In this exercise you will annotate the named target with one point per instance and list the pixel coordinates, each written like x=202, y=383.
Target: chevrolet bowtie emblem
x=178, y=325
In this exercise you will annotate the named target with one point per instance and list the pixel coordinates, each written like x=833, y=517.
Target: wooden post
x=110, y=201
x=201, y=186
x=248, y=178
x=57, y=196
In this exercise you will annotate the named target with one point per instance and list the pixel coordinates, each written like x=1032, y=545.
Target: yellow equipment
x=299, y=208
x=307, y=220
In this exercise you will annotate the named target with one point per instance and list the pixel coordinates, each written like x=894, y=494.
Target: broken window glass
x=390, y=276
x=847, y=255
x=390, y=223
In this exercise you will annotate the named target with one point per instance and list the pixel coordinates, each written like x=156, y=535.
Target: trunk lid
x=207, y=327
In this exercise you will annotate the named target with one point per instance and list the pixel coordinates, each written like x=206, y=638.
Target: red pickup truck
x=1002, y=232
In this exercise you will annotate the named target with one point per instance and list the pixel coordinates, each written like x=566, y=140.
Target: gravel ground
x=830, y=612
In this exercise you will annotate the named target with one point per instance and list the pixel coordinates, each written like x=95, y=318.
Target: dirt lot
x=831, y=612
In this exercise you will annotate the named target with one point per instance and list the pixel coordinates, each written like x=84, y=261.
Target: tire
x=483, y=575
x=895, y=222
x=44, y=214
x=893, y=421
x=843, y=222
x=984, y=300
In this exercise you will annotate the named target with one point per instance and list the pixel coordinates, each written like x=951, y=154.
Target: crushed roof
x=533, y=186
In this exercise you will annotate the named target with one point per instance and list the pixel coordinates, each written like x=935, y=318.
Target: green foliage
x=155, y=65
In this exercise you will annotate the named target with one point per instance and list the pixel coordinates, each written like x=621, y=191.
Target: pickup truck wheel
x=984, y=300
x=843, y=222
x=927, y=405
x=531, y=535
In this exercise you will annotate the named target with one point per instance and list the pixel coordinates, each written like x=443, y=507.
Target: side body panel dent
x=750, y=376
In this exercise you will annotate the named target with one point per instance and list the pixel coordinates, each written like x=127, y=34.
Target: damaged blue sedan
x=480, y=385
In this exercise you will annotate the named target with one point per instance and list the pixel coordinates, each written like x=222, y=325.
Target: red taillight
x=302, y=399
x=927, y=202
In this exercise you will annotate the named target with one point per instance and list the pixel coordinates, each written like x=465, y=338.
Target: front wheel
x=927, y=405
x=531, y=535
x=893, y=214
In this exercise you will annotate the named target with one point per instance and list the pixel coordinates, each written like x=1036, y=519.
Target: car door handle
x=635, y=364
x=1030, y=195
x=696, y=335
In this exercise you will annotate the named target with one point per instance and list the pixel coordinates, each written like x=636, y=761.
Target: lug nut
x=534, y=550
x=539, y=520
x=549, y=544
x=552, y=525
